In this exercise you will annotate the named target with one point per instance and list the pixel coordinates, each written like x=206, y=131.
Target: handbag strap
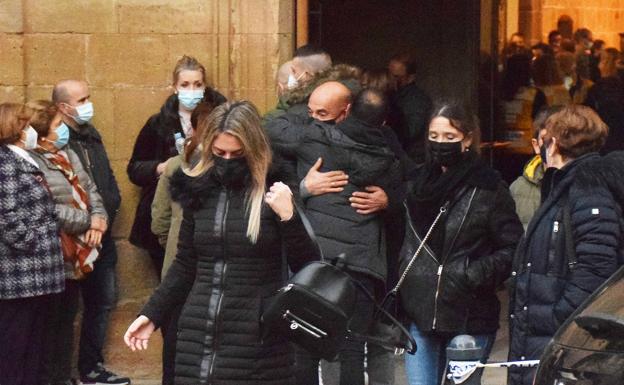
x=419, y=249
x=308, y=228
x=410, y=347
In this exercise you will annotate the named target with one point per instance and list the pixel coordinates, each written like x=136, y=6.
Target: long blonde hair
x=241, y=120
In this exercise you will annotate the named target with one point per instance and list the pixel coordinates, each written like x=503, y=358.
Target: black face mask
x=446, y=154
x=543, y=151
x=231, y=171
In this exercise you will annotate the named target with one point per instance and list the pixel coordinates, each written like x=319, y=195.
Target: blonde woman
x=229, y=258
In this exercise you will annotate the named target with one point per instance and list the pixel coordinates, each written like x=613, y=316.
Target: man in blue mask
x=98, y=289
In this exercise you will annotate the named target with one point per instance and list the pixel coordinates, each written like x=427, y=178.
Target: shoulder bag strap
x=308, y=228
x=419, y=249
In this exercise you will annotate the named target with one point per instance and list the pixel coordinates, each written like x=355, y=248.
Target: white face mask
x=30, y=142
x=293, y=82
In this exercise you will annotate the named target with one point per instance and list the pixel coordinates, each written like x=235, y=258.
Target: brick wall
x=126, y=50
x=605, y=18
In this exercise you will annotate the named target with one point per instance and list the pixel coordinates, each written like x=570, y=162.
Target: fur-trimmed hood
x=345, y=74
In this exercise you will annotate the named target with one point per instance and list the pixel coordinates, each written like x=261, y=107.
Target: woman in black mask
x=229, y=258
x=450, y=289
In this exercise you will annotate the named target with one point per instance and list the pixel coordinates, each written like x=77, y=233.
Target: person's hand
x=138, y=333
x=161, y=168
x=279, y=198
x=98, y=223
x=318, y=183
x=93, y=238
x=371, y=201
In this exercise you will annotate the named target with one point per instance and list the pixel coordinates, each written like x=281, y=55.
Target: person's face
x=517, y=40
x=537, y=143
x=323, y=110
x=536, y=53
x=227, y=146
x=78, y=95
x=398, y=72
x=441, y=131
x=190, y=80
x=52, y=135
x=298, y=71
x=555, y=41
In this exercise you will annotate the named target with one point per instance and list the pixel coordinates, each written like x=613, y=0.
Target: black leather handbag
x=315, y=307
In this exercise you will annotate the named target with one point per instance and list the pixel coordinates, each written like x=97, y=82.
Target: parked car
x=588, y=349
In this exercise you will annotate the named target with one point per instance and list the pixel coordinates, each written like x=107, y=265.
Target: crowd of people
x=373, y=163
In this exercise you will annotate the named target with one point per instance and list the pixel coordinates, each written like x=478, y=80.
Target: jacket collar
x=19, y=162
x=561, y=181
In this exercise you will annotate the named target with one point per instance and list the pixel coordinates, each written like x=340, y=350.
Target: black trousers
x=22, y=331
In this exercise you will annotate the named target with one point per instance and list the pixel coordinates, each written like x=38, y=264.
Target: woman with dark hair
x=450, y=289
x=547, y=78
x=573, y=242
x=229, y=259
x=161, y=138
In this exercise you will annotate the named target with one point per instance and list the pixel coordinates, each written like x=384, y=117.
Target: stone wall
x=126, y=50
x=605, y=18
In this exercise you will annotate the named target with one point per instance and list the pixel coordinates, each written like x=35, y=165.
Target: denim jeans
x=426, y=367
x=99, y=296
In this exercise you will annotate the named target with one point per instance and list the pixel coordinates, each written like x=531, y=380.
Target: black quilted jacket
x=225, y=279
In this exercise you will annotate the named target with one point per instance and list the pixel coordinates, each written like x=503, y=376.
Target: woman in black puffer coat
x=229, y=259
x=572, y=244
x=156, y=143
x=450, y=289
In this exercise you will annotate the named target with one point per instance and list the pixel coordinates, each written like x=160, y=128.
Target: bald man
x=330, y=102
x=72, y=97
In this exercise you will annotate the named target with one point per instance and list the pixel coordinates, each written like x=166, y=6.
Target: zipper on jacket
x=207, y=368
x=435, y=301
x=445, y=257
x=215, y=340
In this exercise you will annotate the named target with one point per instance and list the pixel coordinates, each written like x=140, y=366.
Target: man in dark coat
x=345, y=222
x=98, y=289
x=413, y=104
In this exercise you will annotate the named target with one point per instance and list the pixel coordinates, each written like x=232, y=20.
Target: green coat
x=526, y=190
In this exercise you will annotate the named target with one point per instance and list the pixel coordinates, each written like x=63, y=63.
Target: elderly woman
x=82, y=220
x=572, y=243
x=31, y=264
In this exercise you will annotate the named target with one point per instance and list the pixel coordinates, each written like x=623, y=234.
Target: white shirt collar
x=23, y=154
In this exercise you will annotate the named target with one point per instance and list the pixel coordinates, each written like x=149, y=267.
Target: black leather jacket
x=454, y=291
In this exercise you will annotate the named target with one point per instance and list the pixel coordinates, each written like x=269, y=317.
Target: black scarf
x=431, y=188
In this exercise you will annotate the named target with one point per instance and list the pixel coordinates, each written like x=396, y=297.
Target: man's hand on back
x=318, y=183
x=373, y=200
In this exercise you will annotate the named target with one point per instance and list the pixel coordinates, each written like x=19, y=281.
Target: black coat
x=154, y=145
x=454, y=291
x=225, y=280
x=87, y=144
x=545, y=289
x=411, y=117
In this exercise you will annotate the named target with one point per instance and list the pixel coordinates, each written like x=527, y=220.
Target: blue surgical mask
x=62, y=133
x=190, y=98
x=84, y=113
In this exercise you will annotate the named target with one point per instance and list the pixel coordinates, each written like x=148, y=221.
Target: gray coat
x=71, y=220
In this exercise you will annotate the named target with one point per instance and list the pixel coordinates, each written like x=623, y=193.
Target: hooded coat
x=224, y=281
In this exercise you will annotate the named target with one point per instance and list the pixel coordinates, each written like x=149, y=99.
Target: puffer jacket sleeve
x=96, y=204
x=505, y=231
x=144, y=161
x=176, y=285
x=597, y=233
x=286, y=133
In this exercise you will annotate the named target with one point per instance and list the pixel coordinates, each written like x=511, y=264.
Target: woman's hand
x=138, y=333
x=98, y=223
x=279, y=198
x=93, y=238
